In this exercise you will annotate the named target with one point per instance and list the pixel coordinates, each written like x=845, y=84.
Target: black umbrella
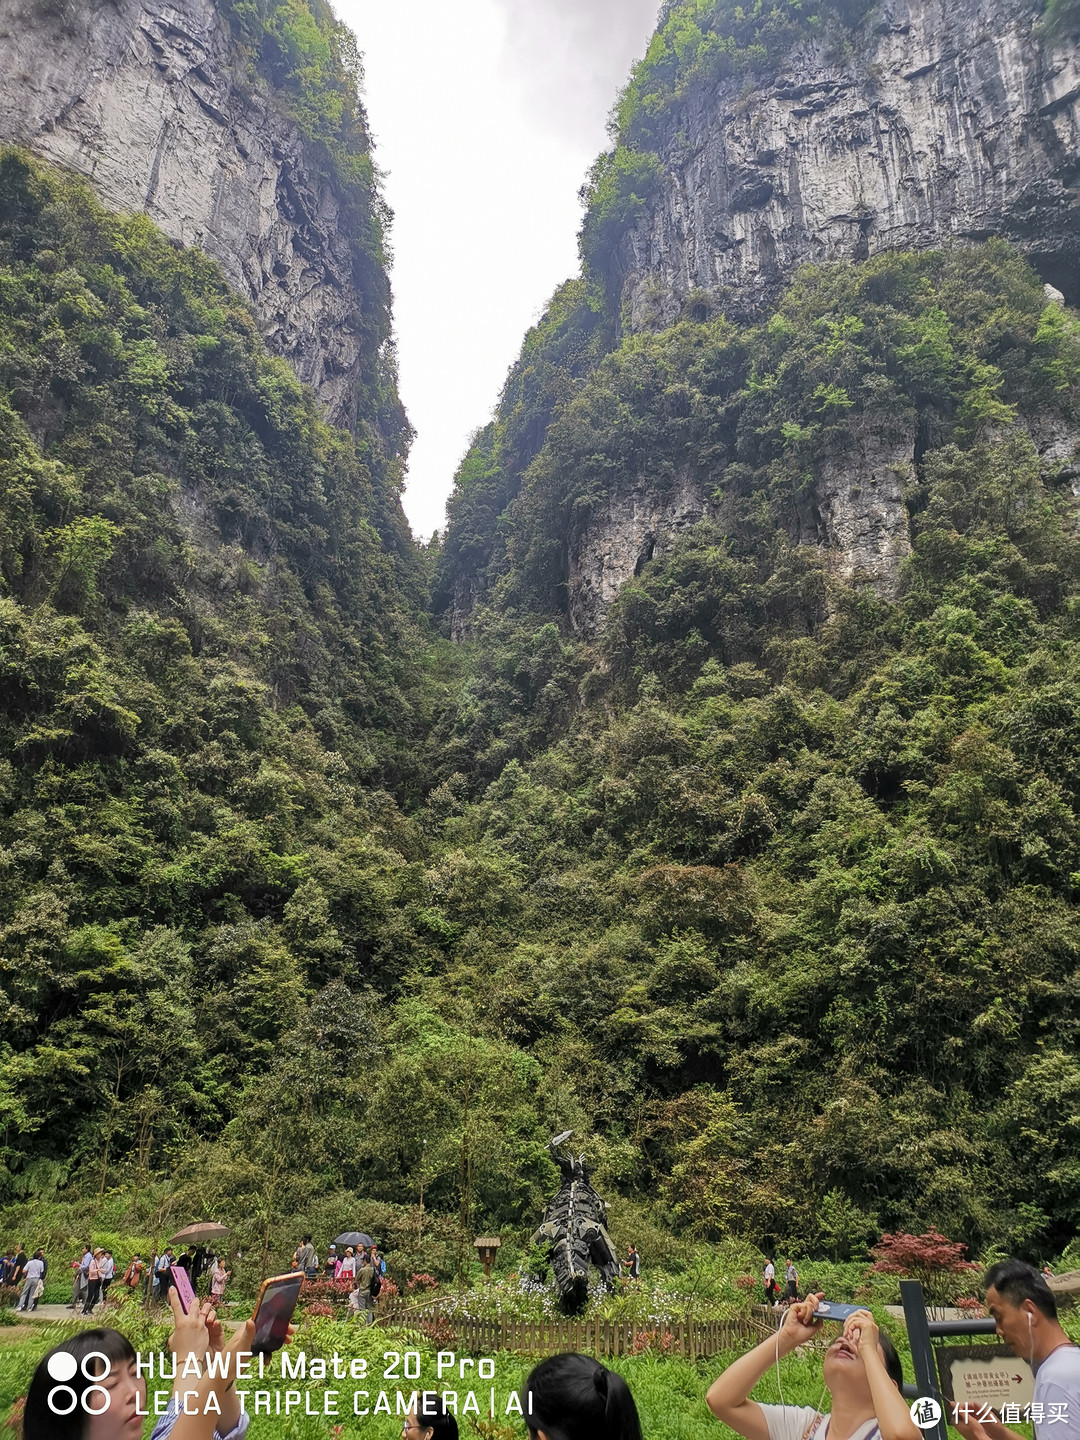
x=354, y=1238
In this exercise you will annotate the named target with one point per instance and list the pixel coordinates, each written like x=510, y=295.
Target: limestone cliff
x=934, y=121
x=855, y=509
x=751, y=141
x=632, y=528
x=150, y=102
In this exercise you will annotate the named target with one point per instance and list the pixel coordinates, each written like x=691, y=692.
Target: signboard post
x=970, y=1374
x=922, y=1352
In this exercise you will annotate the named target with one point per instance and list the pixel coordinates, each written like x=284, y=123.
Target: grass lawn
x=670, y=1392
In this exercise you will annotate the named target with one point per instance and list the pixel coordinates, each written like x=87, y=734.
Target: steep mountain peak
x=242, y=134
x=753, y=140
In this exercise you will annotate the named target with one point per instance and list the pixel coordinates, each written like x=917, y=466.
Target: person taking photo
x=1025, y=1315
x=862, y=1373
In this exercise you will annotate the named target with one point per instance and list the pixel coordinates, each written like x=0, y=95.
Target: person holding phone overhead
x=105, y=1360
x=98, y=1359
x=862, y=1372
x=199, y=1333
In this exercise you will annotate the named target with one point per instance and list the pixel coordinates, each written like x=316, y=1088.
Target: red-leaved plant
x=930, y=1258
x=438, y=1330
x=659, y=1341
x=421, y=1281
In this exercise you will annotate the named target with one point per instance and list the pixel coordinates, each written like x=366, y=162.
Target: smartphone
x=182, y=1281
x=833, y=1310
x=273, y=1311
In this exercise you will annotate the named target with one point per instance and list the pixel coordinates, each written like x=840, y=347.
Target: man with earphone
x=1025, y=1313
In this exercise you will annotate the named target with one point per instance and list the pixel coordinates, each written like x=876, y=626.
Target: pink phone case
x=183, y=1287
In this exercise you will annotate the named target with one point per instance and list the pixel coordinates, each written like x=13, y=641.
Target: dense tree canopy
x=769, y=889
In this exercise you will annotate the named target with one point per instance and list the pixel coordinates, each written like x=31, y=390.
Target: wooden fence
x=695, y=1340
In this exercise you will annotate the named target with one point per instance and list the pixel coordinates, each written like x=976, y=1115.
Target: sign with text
x=984, y=1375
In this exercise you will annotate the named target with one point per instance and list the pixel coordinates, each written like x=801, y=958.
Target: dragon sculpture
x=573, y=1229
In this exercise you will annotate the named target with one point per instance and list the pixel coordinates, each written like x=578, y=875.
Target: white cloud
x=486, y=116
x=573, y=56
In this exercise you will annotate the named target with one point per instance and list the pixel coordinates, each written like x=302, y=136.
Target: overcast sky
x=486, y=116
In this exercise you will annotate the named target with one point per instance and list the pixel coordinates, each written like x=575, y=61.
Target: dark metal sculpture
x=574, y=1230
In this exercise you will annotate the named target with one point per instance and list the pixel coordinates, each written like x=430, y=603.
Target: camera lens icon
x=63, y=1399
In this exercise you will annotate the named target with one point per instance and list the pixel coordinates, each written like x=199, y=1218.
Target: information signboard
x=983, y=1375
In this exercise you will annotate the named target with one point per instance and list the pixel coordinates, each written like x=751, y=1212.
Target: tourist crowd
x=359, y=1270
x=576, y=1395
x=96, y=1270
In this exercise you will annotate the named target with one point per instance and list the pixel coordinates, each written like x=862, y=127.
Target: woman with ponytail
x=571, y=1397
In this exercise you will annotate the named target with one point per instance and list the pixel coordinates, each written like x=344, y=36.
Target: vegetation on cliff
x=769, y=890
x=311, y=63
x=209, y=677
x=800, y=863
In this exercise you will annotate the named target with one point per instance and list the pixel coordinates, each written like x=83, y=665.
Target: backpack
x=376, y=1285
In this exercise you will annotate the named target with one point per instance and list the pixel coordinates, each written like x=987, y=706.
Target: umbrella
x=354, y=1238
x=200, y=1232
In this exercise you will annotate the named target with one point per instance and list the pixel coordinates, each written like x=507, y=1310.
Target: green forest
x=768, y=890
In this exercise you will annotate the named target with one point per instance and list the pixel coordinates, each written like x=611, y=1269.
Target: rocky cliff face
x=628, y=531
x=145, y=99
x=938, y=121
x=856, y=510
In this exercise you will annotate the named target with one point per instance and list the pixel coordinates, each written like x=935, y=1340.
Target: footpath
x=50, y=1314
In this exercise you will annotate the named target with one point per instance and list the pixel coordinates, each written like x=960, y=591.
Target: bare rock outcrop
x=147, y=101
x=939, y=121
x=623, y=534
x=859, y=495
x=855, y=510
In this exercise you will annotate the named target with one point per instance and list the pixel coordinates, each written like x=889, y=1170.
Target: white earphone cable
x=779, y=1387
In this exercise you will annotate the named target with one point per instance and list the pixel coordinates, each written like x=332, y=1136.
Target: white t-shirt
x=34, y=1270
x=769, y=1272
x=1057, y=1390
x=791, y=1422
